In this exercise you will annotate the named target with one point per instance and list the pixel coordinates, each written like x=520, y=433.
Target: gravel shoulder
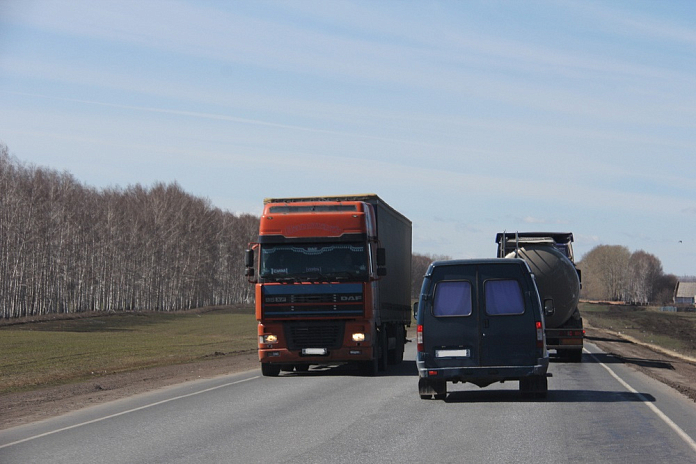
x=26, y=407
x=677, y=371
x=16, y=409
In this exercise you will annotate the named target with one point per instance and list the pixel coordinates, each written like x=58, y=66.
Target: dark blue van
x=481, y=321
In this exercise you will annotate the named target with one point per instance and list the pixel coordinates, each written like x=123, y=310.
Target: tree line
x=68, y=248
x=613, y=273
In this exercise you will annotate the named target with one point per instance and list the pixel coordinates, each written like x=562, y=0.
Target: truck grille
x=314, y=334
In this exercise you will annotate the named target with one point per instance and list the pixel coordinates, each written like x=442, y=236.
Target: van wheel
x=535, y=386
x=526, y=387
x=541, y=386
x=440, y=388
x=270, y=370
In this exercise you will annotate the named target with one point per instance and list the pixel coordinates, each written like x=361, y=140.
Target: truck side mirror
x=249, y=263
x=549, y=309
x=415, y=310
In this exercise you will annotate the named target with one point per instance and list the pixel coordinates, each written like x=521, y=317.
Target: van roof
x=469, y=262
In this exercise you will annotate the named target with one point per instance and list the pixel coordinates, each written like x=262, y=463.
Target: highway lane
x=333, y=415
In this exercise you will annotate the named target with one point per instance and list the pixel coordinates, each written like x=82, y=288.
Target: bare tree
x=65, y=247
x=419, y=265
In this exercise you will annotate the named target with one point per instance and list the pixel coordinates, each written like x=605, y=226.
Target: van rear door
x=451, y=332
x=506, y=316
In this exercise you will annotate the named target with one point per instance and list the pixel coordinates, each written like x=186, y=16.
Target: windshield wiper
x=342, y=275
x=284, y=278
x=310, y=277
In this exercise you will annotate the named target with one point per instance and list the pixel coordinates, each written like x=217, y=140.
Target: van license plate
x=314, y=351
x=452, y=353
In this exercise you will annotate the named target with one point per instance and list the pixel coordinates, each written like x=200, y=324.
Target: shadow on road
x=554, y=396
x=605, y=358
x=405, y=369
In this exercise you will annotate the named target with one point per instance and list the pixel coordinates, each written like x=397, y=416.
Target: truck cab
x=480, y=321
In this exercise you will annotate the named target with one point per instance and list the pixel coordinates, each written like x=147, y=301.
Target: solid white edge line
x=81, y=424
x=683, y=435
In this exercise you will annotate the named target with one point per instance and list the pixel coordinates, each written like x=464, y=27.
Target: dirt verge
x=26, y=407
x=677, y=371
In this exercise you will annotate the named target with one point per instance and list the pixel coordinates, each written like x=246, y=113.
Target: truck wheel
x=383, y=352
x=270, y=370
x=575, y=356
x=369, y=368
x=400, y=343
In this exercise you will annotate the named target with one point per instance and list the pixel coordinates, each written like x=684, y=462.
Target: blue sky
x=469, y=117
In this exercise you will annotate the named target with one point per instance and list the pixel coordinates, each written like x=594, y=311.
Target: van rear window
x=503, y=297
x=452, y=299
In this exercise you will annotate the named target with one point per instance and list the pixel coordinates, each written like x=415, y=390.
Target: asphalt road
x=598, y=411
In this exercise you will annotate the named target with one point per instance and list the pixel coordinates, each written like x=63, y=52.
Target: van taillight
x=540, y=335
x=419, y=337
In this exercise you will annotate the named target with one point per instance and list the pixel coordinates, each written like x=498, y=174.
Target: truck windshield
x=313, y=262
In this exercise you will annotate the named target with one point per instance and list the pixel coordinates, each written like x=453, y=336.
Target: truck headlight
x=267, y=339
x=358, y=337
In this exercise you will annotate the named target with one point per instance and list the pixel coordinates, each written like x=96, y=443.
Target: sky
x=469, y=117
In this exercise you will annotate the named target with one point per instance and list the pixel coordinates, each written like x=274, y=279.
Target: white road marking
x=126, y=412
x=683, y=435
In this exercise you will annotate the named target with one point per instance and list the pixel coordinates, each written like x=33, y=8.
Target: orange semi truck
x=333, y=283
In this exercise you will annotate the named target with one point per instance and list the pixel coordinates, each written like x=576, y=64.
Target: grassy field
x=38, y=354
x=48, y=353
x=670, y=330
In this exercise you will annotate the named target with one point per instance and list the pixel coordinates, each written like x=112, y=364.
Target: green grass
x=55, y=352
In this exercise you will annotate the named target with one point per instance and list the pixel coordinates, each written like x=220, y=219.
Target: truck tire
x=368, y=368
x=270, y=370
x=382, y=349
x=396, y=356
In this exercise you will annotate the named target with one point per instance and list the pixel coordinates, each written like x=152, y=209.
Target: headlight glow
x=359, y=337
x=268, y=339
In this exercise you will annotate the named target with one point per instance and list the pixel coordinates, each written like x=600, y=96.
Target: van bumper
x=483, y=374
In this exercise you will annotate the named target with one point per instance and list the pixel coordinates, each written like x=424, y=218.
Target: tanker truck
x=550, y=257
x=332, y=280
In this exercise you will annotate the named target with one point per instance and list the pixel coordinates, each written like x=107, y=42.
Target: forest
x=70, y=248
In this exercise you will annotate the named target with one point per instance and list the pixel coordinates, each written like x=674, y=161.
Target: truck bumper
x=313, y=355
